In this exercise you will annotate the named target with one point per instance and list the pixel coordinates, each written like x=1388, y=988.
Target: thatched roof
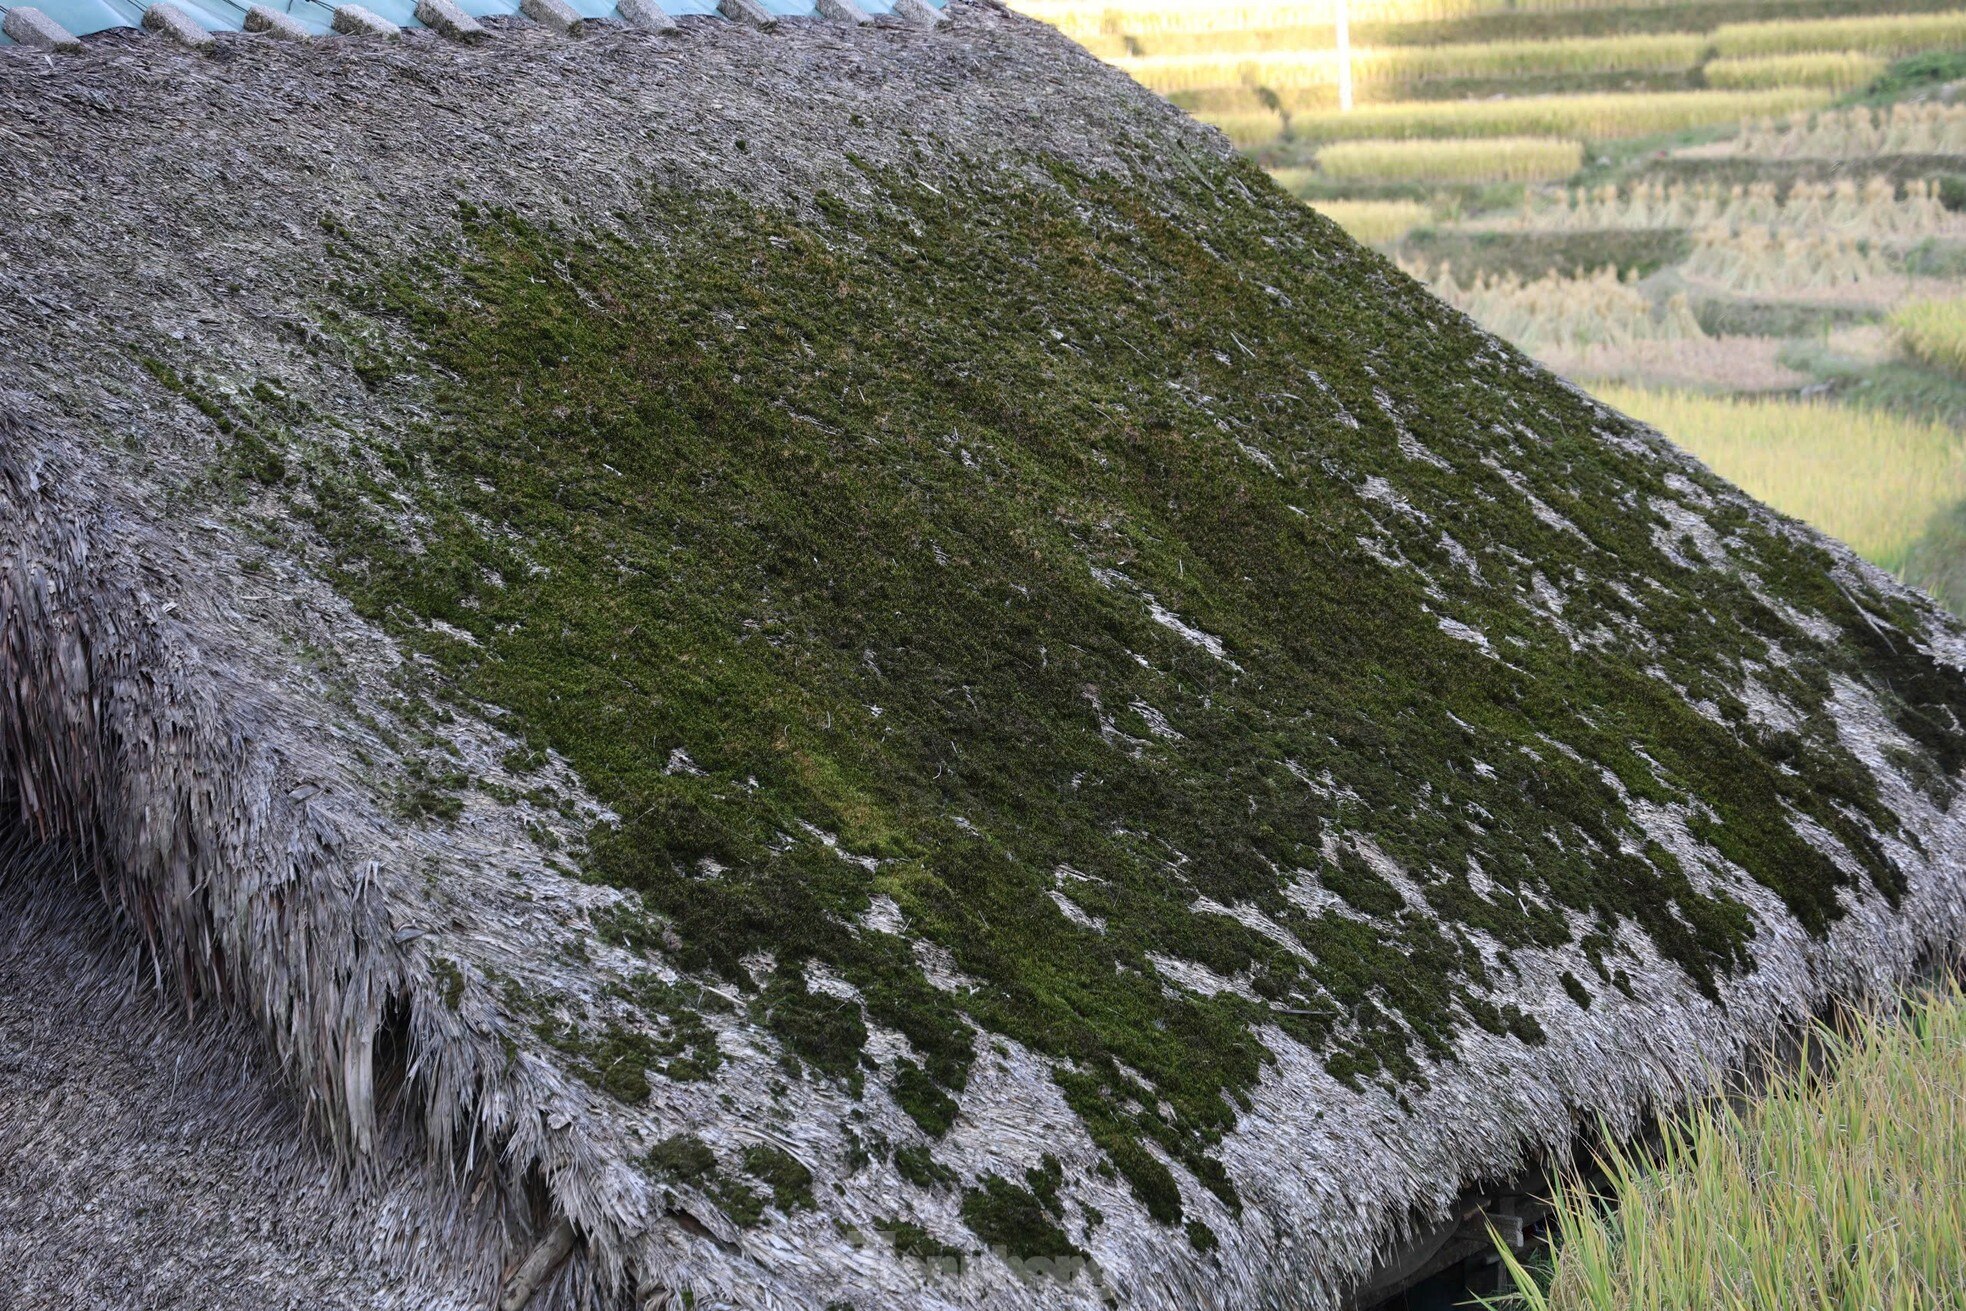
x=848, y=666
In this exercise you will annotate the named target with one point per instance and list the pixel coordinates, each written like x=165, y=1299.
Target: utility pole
x=1344, y=57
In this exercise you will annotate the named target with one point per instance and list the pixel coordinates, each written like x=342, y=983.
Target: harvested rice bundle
x=1561, y=313
x=1757, y=259
x=1858, y=133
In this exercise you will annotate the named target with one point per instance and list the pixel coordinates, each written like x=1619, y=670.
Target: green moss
x=743, y=1204
x=1044, y=1179
x=914, y=1241
x=790, y=1182
x=929, y=1106
x=917, y=1164
x=677, y=1042
x=683, y=1046
x=1201, y=1237
x=825, y=1030
x=862, y=512
x=1010, y=1218
x=687, y=1160
x=450, y=980
x=682, y=1157
x=1360, y=886
x=1575, y=987
x=250, y=451
x=431, y=794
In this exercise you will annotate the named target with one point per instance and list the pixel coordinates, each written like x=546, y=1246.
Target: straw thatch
x=258, y=1047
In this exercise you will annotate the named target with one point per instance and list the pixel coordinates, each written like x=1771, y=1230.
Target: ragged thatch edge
x=240, y=851
x=108, y=1089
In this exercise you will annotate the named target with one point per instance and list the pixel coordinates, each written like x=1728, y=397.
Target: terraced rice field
x=1876, y=34
x=1505, y=159
x=1375, y=221
x=1596, y=117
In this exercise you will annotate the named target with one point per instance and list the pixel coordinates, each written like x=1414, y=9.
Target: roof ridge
x=59, y=25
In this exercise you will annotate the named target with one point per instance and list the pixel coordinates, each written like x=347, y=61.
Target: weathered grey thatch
x=251, y=1050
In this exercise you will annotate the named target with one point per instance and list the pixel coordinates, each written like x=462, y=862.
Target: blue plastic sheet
x=215, y=15
x=316, y=18
x=400, y=12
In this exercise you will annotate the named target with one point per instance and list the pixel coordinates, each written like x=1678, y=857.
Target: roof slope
x=853, y=667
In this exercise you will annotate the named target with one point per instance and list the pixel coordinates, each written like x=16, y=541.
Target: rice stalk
x=1507, y=159
x=1933, y=332
x=1889, y=35
x=1247, y=129
x=1374, y=222
x=1147, y=19
x=1872, y=209
x=1282, y=70
x=1835, y=71
x=1833, y=1190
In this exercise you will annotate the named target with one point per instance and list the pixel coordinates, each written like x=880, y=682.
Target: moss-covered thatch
x=946, y=702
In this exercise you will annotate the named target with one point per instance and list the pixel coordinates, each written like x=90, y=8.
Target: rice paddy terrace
x=849, y=665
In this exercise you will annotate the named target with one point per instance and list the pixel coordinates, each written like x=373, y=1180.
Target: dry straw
x=1505, y=159
x=1873, y=479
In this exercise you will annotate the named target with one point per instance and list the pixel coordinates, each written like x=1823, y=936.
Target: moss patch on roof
x=1101, y=574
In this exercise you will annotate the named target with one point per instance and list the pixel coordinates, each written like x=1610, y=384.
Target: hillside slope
x=855, y=668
